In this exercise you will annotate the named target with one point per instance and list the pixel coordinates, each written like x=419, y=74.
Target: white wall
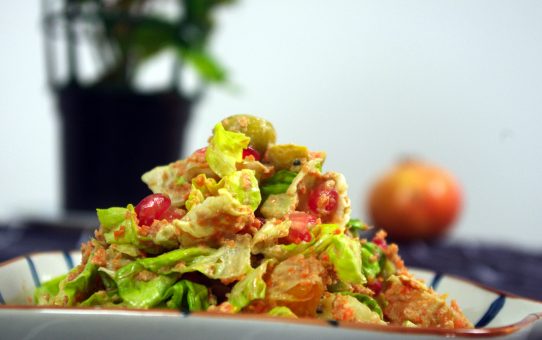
x=457, y=83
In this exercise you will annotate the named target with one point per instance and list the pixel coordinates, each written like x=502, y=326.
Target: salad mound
x=246, y=225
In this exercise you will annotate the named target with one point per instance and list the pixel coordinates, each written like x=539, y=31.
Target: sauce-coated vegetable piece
x=261, y=132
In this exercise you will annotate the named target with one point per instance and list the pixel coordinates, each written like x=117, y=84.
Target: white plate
x=497, y=315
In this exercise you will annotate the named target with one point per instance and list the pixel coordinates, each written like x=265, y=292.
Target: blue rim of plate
x=478, y=331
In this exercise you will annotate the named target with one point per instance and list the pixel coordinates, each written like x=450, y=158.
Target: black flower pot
x=111, y=137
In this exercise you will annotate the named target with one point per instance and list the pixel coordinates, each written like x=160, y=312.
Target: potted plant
x=111, y=131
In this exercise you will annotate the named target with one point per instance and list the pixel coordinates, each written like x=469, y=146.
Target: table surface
x=503, y=267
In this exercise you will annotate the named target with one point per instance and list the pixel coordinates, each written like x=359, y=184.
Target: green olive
x=261, y=132
x=285, y=156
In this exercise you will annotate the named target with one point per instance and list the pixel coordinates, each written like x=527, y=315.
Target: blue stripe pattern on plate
x=33, y=271
x=436, y=280
x=491, y=312
x=68, y=259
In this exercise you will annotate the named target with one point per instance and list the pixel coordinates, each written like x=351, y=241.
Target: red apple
x=415, y=201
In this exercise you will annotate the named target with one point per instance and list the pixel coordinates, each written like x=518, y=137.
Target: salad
x=246, y=225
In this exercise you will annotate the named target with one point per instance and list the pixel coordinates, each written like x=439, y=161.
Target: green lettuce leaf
x=112, y=217
x=140, y=288
x=333, y=304
x=243, y=186
x=344, y=254
x=48, y=290
x=216, y=214
x=282, y=311
x=225, y=150
x=102, y=298
x=163, y=264
x=227, y=262
x=186, y=294
x=119, y=225
x=343, y=251
x=174, y=179
x=202, y=187
x=77, y=283
x=269, y=234
x=368, y=301
x=370, y=257
x=251, y=288
x=322, y=236
x=354, y=225
x=281, y=204
x=278, y=183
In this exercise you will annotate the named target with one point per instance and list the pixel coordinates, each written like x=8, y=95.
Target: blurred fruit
x=415, y=201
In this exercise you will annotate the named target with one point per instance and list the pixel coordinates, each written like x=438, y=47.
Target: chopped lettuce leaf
x=243, y=186
x=76, y=284
x=344, y=254
x=202, y=187
x=186, y=294
x=368, y=301
x=222, y=214
x=228, y=262
x=282, y=311
x=370, y=257
x=231, y=261
x=119, y=225
x=347, y=308
x=225, y=150
x=48, y=290
x=251, y=288
x=166, y=236
x=355, y=225
x=276, y=206
x=163, y=264
x=278, y=183
x=322, y=235
x=102, y=298
x=110, y=218
x=171, y=180
x=388, y=267
x=269, y=234
x=140, y=288
x=126, y=249
x=108, y=278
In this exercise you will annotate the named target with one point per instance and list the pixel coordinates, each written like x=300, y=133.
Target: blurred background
x=454, y=83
